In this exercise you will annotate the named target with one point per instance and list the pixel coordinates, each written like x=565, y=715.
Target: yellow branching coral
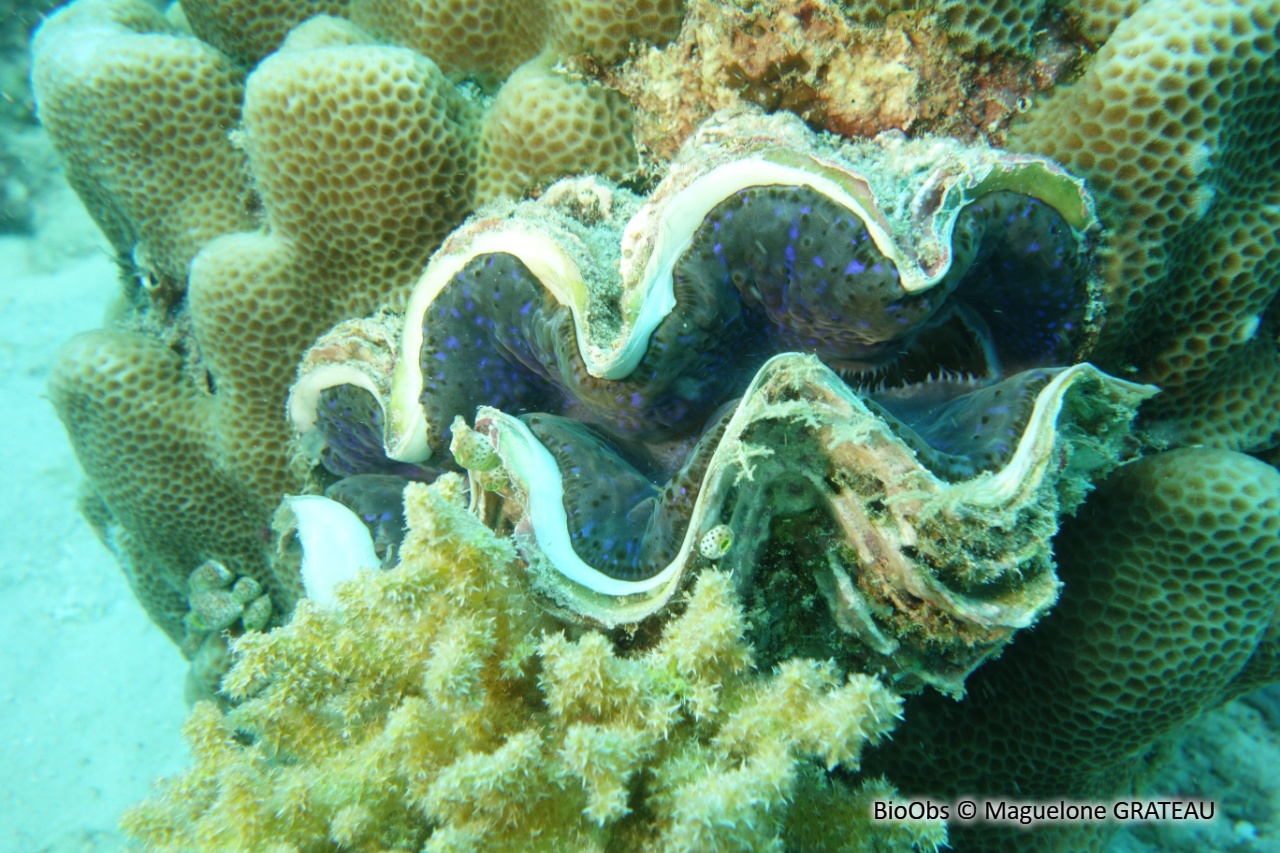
x=434, y=708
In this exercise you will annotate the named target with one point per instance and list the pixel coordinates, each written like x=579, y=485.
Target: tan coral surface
x=487, y=39
x=1172, y=574
x=247, y=32
x=1098, y=19
x=127, y=391
x=140, y=114
x=1174, y=126
x=986, y=26
x=253, y=208
x=543, y=125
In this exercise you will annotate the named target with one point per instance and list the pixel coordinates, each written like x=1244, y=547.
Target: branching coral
x=432, y=707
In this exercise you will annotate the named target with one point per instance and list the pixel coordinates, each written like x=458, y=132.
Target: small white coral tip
x=335, y=545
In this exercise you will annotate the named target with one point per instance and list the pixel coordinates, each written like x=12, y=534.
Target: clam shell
x=899, y=520
x=609, y=255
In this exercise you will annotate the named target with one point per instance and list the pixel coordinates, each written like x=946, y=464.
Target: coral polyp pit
x=847, y=362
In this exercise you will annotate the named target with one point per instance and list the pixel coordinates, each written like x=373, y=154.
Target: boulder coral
x=1172, y=573
x=709, y=563
x=431, y=707
x=257, y=190
x=1174, y=124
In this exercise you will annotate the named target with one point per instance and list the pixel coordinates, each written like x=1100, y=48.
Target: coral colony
x=584, y=425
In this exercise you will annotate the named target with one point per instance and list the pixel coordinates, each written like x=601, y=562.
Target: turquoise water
x=91, y=692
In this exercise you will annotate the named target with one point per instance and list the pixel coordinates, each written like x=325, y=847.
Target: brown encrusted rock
x=840, y=70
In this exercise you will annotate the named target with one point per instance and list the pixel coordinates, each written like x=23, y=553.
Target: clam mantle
x=861, y=363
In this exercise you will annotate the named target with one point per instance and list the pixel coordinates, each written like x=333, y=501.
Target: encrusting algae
x=435, y=707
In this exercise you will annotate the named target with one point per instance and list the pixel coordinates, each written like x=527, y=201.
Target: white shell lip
x=534, y=471
x=654, y=240
x=740, y=152
x=360, y=353
x=578, y=587
x=406, y=439
x=336, y=545
x=1034, y=451
x=304, y=397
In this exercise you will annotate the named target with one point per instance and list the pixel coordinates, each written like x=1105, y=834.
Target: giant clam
x=850, y=368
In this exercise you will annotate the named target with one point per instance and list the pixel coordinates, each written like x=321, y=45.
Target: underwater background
x=94, y=694
x=92, y=698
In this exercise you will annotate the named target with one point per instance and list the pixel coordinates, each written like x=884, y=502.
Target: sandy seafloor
x=91, y=692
